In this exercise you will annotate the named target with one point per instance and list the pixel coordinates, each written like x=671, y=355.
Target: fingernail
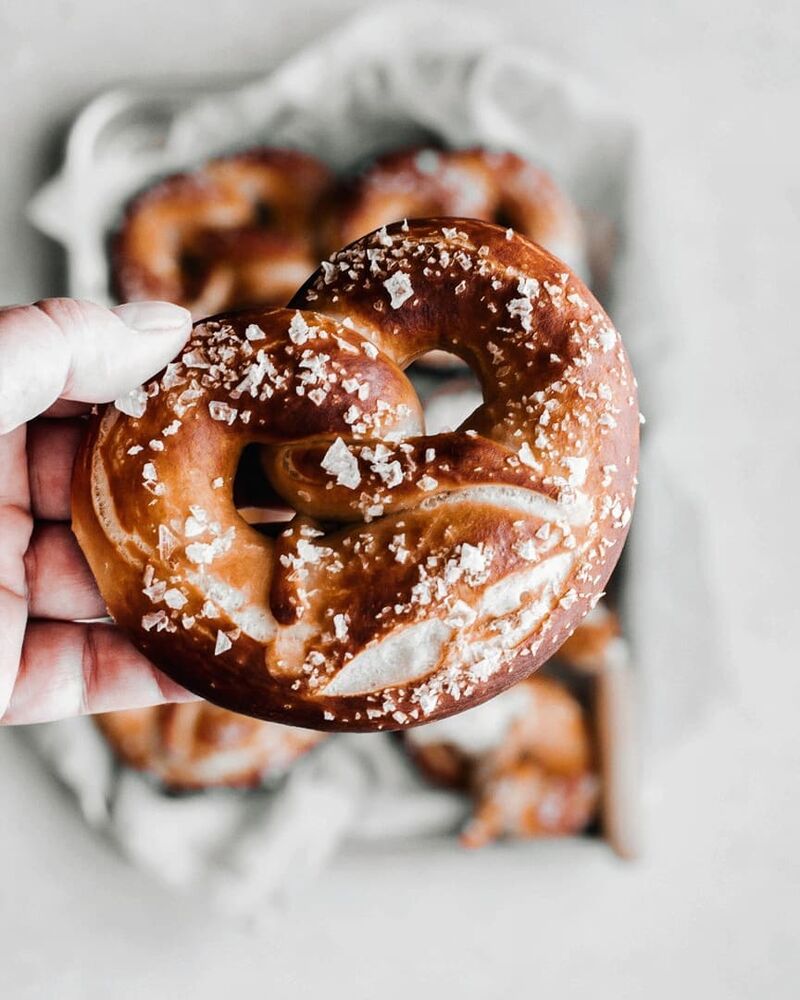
x=153, y=317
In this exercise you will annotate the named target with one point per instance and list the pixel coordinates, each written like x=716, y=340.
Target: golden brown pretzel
x=197, y=745
x=497, y=187
x=423, y=574
x=526, y=758
x=239, y=231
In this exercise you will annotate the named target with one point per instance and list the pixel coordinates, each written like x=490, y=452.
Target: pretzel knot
x=421, y=574
x=239, y=230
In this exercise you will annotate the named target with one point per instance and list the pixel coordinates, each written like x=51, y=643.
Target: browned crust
x=567, y=364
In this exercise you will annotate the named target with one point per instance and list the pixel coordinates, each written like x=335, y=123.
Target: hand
x=56, y=357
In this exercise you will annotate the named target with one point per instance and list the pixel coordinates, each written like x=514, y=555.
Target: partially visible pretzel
x=497, y=187
x=197, y=745
x=422, y=575
x=526, y=758
x=242, y=230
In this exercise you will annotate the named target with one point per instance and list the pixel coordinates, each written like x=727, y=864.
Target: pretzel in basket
x=197, y=745
x=239, y=231
x=526, y=758
x=421, y=574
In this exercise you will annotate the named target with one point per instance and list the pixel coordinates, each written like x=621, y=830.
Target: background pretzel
x=197, y=745
x=242, y=230
x=526, y=758
x=497, y=187
x=494, y=186
x=422, y=575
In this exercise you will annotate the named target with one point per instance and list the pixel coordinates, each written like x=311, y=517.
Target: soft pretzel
x=197, y=745
x=589, y=645
x=242, y=230
x=497, y=187
x=422, y=575
x=526, y=758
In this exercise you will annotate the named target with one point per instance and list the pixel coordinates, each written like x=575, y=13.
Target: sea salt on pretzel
x=197, y=745
x=423, y=574
x=239, y=231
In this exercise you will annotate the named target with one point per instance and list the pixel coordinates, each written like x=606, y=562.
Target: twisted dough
x=526, y=758
x=422, y=575
x=197, y=745
x=497, y=187
x=239, y=231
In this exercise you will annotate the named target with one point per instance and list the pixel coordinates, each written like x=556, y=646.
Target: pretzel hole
x=502, y=217
x=254, y=498
x=263, y=215
x=440, y=361
x=194, y=267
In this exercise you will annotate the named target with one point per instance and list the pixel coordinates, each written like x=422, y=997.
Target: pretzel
x=239, y=231
x=589, y=646
x=422, y=574
x=497, y=187
x=197, y=745
x=526, y=758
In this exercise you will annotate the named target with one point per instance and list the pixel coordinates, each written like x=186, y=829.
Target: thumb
x=79, y=350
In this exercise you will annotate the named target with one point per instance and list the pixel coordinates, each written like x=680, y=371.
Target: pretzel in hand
x=239, y=231
x=421, y=574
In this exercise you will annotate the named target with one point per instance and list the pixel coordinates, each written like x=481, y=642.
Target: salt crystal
x=132, y=403
x=223, y=643
x=607, y=338
x=527, y=550
x=299, y=331
x=340, y=627
x=342, y=464
x=399, y=288
x=173, y=598
x=222, y=411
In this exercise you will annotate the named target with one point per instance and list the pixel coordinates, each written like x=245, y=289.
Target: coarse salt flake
x=399, y=288
x=340, y=626
x=223, y=643
x=173, y=598
x=340, y=462
x=132, y=403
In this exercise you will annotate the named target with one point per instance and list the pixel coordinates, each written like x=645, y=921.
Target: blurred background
x=710, y=908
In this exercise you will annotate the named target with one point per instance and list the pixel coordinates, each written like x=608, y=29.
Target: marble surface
x=712, y=909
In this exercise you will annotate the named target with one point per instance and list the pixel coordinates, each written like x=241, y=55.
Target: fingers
x=52, y=445
x=15, y=531
x=13, y=470
x=73, y=669
x=81, y=351
x=60, y=584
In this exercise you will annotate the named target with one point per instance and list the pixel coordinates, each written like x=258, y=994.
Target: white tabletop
x=712, y=910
